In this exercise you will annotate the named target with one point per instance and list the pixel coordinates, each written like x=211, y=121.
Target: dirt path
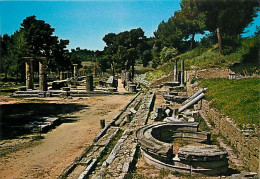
x=120, y=87
x=62, y=145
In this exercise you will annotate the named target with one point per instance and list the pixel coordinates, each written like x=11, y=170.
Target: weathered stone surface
x=42, y=75
x=29, y=73
x=155, y=142
x=89, y=83
x=120, y=159
x=229, y=130
x=56, y=85
x=23, y=88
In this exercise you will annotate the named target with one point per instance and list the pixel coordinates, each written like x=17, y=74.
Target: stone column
x=127, y=76
x=122, y=76
x=175, y=78
x=182, y=72
x=42, y=75
x=89, y=83
x=61, y=75
x=66, y=75
x=29, y=73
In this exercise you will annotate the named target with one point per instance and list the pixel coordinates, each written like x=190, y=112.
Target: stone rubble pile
x=142, y=80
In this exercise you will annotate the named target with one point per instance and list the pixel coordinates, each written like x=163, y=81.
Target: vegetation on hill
x=238, y=99
x=243, y=60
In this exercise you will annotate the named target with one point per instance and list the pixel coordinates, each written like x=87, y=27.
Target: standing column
x=75, y=70
x=61, y=75
x=127, y=76
x=175, y=79
x=122, y=76
x=89, y=83
x=182, y=72
x=66, y=75
x=42, y=75
x=29, y=73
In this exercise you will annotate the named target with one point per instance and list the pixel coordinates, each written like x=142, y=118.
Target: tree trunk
x=192, y=41
x=113, y=69
x=5, y=76
x=219, y=40
x=17, y=72
x=133, y=68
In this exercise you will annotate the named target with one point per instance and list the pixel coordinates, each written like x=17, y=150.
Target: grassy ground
x=9, y=88
x=238, y=99
x=244, y=60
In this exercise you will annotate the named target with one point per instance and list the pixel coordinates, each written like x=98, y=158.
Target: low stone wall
x=246, y=144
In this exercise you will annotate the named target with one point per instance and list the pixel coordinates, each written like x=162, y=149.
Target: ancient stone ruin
x=157, y=142
x=69, y=84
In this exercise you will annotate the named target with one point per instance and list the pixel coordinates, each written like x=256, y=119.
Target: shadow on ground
x=14, y=116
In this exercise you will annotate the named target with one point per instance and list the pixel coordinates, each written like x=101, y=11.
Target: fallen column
x=194, y=95
x=190, y=103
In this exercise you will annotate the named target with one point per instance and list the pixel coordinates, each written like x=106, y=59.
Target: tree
x=5, y=42
x=146, y=57
x=40, y=41
x=101, y=60
x=169, y=34
x=124, y=48
x=60, y=55
x=227, y=16
x=38, y=36
x=167, y=53
x=190, y=20
x=12, y=49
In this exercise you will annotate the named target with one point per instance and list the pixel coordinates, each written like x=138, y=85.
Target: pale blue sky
x=85, y=23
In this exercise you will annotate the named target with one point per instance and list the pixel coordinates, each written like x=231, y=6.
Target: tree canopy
x=228, y=17
x=122, y=49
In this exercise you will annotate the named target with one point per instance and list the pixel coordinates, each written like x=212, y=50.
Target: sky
x=85, y=23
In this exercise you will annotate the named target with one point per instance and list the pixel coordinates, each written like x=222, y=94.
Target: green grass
x=202, y=124
x=7, y=90
x=245, y=57
x=238, y=99
x=110, y=147
x=153, y=75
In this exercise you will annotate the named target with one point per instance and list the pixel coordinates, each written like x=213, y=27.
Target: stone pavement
x=106, y=159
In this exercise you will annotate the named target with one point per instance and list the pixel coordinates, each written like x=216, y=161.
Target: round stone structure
x=158, y=142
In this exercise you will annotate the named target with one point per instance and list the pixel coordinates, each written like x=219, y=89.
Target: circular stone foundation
x=158, y=141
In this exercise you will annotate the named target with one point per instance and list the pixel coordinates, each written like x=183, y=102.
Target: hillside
x=237, y=99
x=244, y=60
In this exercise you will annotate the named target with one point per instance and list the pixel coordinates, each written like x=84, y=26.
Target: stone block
x=254, y=164
x=22, y=88
x=66, y=89
x=56, y=85
x=48, y=94
x=41, y=95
